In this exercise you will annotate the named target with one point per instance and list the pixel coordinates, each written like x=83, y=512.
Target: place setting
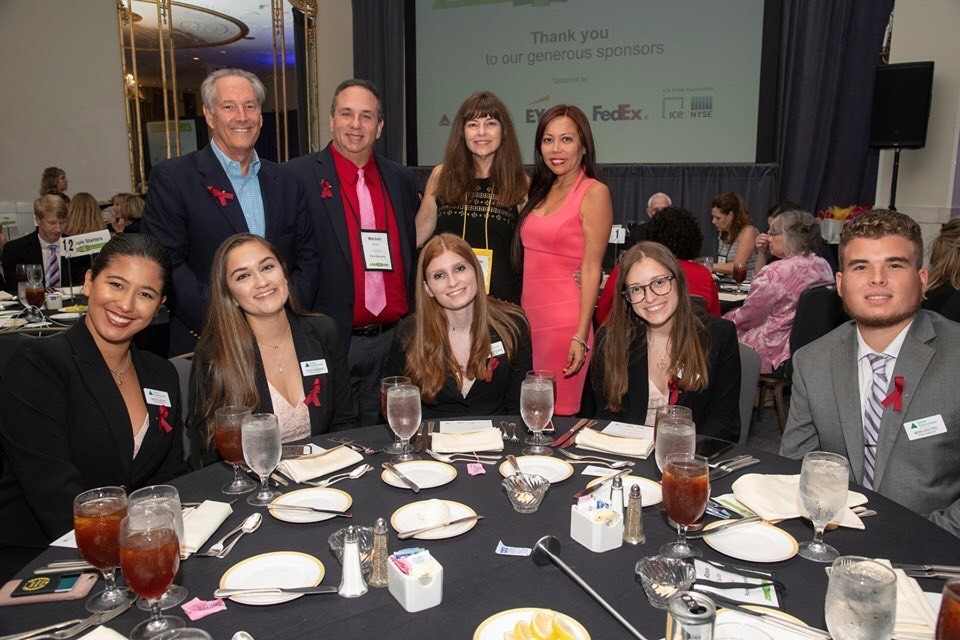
x=433, y=520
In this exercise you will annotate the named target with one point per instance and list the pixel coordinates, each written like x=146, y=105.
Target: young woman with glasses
x=655, y=349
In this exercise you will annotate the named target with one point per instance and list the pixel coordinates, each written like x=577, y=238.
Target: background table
x=479, y=583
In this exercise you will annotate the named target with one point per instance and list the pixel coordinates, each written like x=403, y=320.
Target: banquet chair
x=819, y=312
x=182, y=365
x=749, y=376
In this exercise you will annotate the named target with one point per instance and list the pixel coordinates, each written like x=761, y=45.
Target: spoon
x=353, y=475
x=251, y=524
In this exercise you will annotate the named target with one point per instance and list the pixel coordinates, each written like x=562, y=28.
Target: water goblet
x=536, y=409
x=823, y=495
x=403, y=415
x=395, y=447
x=150, y=557
x=260, y=433
x=686, y=489
x=96, y=523
x=861, y=599
x=672, y=411
x=226, y=433
x=163, y=496
x=552, y=377
x=674, y=435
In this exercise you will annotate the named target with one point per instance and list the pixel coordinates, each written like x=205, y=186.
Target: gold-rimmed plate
x=407, y=518
x=553, y=469
x=755, y=542
x=494, y=627
x=314, y=497
x=742, y=621
x=286, y=569
x=650, y=491
x=426, y=474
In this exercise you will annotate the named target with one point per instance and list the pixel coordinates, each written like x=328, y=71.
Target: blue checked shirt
x=245, y=189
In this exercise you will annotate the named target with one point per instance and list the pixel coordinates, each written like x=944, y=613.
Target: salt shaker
x=616, y=495
x=352, y=584
x=633, y=528
x=378, y=557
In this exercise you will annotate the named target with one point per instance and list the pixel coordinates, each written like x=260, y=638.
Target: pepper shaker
x=633, y=528
x=378, y=557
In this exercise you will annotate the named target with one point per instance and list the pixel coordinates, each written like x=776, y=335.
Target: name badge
x=925, y=427
x=485, y=258
x=313, y=367
x=155, y=397
x=496, y=349
x=721, y=259
x=376, y=251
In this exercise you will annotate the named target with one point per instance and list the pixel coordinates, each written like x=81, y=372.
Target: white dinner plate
x=553, y=469
x=315, y=497
x=494, y=627
x=650, y=492
x=278, y=569
x=756, y=542
x=426, y=474
x=728, y=617
x=11, y=323
x=68, y=315
x=9, y=313
x=406, y=518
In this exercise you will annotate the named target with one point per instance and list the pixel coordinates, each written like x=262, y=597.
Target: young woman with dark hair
x=738, y=237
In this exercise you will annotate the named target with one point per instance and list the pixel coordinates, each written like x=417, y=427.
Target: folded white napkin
x=4, y=296
x=916, y=619
x=482, y=440
x=630, y=447
x=315, y=465
x=775, y=498
x=200, y=523
x=102, y=633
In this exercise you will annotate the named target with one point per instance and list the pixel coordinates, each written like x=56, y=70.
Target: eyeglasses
x=774, y=234
x=661, y=287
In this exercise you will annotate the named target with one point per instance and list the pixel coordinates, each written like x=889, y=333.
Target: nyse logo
x=701, y=107
x=620, y=112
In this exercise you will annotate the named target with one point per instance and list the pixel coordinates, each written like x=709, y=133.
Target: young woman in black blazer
x=258, y=349
x=467, y=352
x=655, y=344
x=86, y=408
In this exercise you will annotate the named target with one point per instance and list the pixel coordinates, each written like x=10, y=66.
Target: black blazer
x=499, y=396
x=716, y=410
x=26, y=250
x=65, y=429
x=190, y=222
x=314, y=338
x=336, y=292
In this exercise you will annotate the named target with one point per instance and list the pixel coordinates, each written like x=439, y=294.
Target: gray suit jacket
x=922, y=474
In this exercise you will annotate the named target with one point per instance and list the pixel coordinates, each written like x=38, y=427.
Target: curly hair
x=945, y=256
x=677, y=230
x=880, y=223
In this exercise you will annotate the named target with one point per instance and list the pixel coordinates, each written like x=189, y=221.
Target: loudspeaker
x=901, y=105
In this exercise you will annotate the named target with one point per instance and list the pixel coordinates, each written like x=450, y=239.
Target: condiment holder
x=597, y=527
x=416, y=591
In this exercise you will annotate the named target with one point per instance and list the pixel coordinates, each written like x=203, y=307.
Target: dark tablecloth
x=479, y=583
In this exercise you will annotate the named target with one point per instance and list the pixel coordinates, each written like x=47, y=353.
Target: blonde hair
x=83, y=215
x=945, y=256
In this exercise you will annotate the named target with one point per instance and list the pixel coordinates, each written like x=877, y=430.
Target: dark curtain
x=378, y=45
x=830, y=52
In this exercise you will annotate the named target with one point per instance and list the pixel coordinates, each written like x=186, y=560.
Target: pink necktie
x=375, y=293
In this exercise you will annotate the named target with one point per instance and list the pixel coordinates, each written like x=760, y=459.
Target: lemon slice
x=542, y=624
x=522, y=630
x=563, y=629
x=510, y=635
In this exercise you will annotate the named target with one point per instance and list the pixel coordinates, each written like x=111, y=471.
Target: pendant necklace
x=120, y=372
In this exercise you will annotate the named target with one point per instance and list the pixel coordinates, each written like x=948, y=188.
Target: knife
x=404, y=479
x=723, y=527
x=561, y=439
x=945, y=568
x=771, y=619
x=302, y=507
x=55, y=568
x=603, y=481
x=226, y=593
x=409, y=534
x=721, y=473
x=573, y=437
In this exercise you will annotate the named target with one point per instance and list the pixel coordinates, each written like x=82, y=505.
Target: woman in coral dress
x=565, y=226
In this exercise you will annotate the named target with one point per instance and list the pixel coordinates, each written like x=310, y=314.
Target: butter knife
x=716, y=474
x=723, y=527
x=603, y=481
x=303, y=507
x=226, y=593
x=404, y=479
x=572, y=440
x=945, y=568
x=415, y=532
x=569, y=434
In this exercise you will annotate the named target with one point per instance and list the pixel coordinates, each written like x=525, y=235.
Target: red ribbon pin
x=314, y=396
x=896, y=396
x=674, y=389
x=490, y=367
x=164, y=412
x=326, y=191
x=222, y=196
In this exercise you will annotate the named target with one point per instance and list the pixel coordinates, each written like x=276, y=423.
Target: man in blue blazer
x=881, y=390
x=197, y=201
x=363, y=208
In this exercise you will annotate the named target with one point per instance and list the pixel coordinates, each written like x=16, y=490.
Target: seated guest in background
x=260, y=350
x=765, y=320
x=467, y=352
x=111, y=210
x=477, y=190
x=655, y=350
x=943, y=280
x=677, y=230
x=656, y=203
x=43, y=247
x=129, y=215
x=53, y=182
x=764, y=256
x=83, y=215
x=86, y=408
x=738, y=237
x=860, y=390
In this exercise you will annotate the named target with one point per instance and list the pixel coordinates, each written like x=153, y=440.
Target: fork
x=503, y=430
x=217, y=547
x=462, y=457
x=728, y=461
x=513, y=432
x=96, y=619
x=577, y=456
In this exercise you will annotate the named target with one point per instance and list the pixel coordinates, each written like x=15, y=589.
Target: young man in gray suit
x=882, y=389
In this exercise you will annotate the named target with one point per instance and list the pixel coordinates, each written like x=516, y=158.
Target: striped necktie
x=53, y=269
x=872, y=415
